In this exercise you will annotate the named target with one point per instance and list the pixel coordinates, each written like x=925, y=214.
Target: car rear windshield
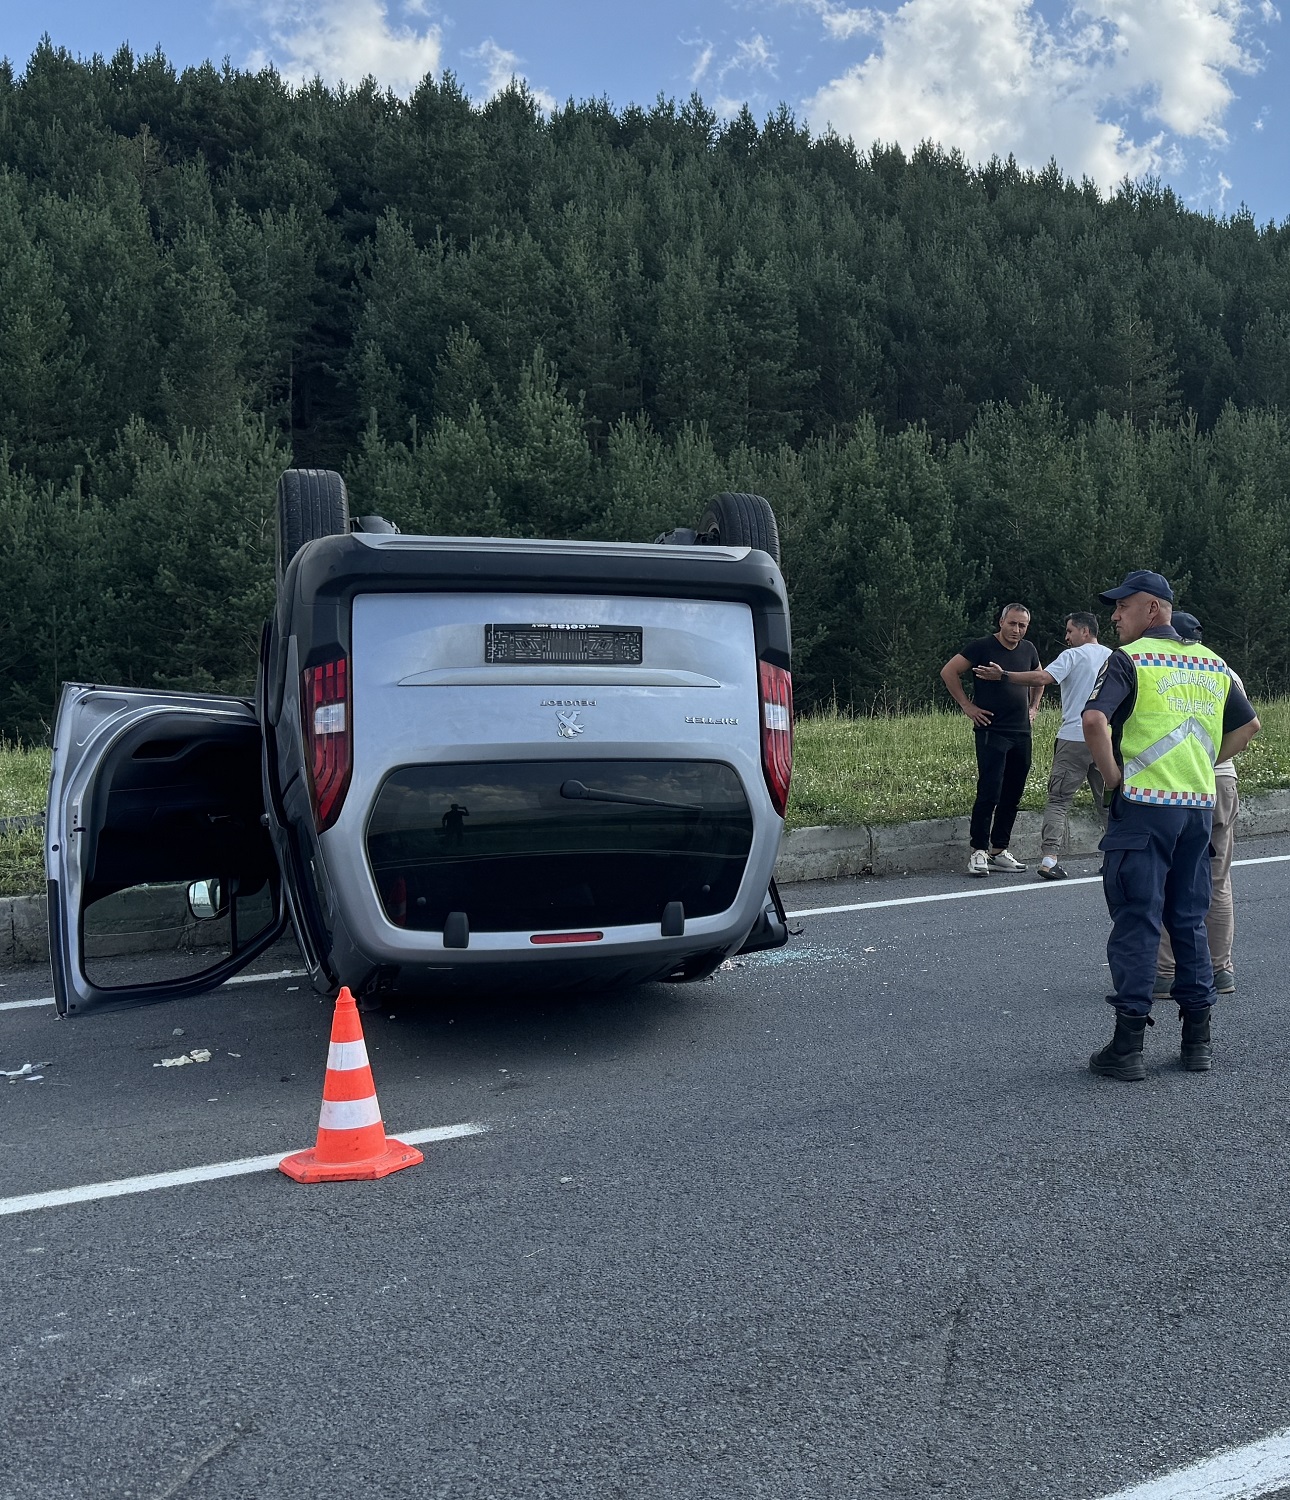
x=550, y=845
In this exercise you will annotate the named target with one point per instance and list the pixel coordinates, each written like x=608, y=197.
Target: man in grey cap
x=1220, y=924
x=1160, y=716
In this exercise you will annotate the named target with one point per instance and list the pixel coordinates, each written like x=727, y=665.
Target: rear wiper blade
x=578, y=791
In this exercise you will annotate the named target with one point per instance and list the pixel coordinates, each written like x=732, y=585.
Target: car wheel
x=311, y=503
x=739, y=520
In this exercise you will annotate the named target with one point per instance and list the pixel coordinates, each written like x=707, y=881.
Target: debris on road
x=730, y=963
x=30, y=1071
x=198, y=1054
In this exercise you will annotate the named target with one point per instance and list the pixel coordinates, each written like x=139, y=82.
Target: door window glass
x=171, y=930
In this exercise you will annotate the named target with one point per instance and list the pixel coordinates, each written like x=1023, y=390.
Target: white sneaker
x=977, y=863
x=1004, y=861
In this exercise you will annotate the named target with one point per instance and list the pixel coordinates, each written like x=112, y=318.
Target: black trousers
x=1157, y=874
x=1002, y=765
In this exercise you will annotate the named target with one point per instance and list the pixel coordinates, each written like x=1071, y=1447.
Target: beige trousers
x=1072, y=766
x=1221, y=921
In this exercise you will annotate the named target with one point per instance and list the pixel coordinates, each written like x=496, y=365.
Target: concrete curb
x=942, y=843
x=806, y=854
x=24, y=930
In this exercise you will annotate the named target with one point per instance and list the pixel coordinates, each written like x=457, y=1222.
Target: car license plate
x=609, y=645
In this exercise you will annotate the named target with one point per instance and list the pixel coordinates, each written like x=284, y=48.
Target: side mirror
x=208, y=899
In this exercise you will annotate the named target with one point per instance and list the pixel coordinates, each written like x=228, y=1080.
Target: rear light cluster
x=777, y=731
x=328, y=737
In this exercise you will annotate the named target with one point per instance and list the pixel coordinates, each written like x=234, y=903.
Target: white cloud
x=345, y=41
x=701, y=63
x=842, y=21
x=500, y=67
x=991, y=76
x=751, y=56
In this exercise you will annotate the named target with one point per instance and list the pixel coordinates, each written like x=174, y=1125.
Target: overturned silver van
x=470, y=762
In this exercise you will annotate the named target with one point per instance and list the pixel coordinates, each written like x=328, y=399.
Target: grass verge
x=847, y=770
x=24, y=782
x=904, y=767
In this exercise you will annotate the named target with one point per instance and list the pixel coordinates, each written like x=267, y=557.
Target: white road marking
x=1238, y=1474
x=59, y=1197
x=237, y=979
x=813, y=911
x=996, y=890
x=1011, y=890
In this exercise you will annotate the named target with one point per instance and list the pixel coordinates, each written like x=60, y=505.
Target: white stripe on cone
x=349, y=1114
x=344, y=1057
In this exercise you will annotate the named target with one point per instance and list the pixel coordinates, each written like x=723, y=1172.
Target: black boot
x=1197, y=1055
x=1122, y=1056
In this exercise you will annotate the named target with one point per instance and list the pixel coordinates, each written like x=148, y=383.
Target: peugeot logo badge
x=569, y=727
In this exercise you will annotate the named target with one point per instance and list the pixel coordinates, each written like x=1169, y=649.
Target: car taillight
x=328, y=737
x=777, y=732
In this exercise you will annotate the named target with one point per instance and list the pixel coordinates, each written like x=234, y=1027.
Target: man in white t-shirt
x=1074, y=671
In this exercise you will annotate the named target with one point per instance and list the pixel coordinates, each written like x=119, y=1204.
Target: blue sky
x=1193, y=92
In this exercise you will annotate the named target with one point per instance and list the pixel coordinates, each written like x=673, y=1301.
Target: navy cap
x=1140, y=582
x=1187, y=626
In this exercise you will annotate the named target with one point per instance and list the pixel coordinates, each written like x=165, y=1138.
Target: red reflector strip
x=566, y=937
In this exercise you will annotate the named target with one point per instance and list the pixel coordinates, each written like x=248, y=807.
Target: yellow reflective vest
x=1170, y=741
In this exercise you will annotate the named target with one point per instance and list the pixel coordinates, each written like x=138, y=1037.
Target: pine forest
x=957, y=385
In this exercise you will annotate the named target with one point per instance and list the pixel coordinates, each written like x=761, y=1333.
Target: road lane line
x=1238, y=1474
x=237, y=979
x=813, y=911
x=828, y=911
x=122, y=1186
x=998, y=890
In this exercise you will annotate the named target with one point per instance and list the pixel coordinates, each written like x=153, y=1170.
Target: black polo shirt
x=1009, y=702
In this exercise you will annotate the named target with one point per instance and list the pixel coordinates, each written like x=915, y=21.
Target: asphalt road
x=850, y=1220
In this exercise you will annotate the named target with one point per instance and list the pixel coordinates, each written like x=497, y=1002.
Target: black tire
x=311, y=503
x=738, y=520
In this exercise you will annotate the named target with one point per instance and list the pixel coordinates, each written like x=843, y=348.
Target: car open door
x=162, y=876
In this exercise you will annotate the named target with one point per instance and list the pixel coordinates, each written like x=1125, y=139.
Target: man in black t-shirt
x=1002, y=714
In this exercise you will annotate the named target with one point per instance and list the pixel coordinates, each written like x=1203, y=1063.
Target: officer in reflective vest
x=1160, y=715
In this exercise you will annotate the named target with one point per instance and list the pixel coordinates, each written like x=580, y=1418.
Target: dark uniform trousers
x=1156, y=873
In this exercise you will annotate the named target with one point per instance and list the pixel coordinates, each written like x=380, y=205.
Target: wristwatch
x=1003, y=676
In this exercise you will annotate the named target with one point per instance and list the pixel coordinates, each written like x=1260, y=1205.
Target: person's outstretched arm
x=993, y=672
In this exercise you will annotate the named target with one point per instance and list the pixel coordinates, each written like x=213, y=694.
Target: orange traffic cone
x=352, y=1143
